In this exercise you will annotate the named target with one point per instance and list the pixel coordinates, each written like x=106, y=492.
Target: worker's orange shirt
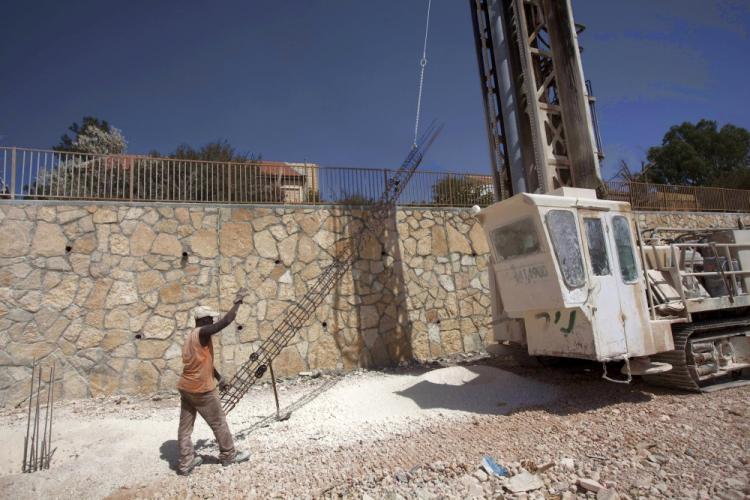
x=198, y=360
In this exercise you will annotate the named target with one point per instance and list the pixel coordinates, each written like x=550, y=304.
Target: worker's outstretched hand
x=241, y=293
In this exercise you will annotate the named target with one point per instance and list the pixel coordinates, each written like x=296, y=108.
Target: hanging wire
x=422, y=66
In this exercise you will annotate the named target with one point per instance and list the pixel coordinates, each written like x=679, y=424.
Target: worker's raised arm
x=226, y=320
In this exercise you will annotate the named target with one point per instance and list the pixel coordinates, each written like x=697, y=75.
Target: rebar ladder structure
x=296, y=316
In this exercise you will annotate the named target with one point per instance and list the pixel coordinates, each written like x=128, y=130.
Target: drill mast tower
x=537, y=104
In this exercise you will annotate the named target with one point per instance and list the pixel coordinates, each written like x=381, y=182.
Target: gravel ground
x=418, y=432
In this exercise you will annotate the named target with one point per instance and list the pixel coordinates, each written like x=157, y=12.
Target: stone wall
x=107, y=290
x=692, y=220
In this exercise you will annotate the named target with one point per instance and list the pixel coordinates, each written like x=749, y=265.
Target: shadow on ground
x=498, y=388
x=170, y=451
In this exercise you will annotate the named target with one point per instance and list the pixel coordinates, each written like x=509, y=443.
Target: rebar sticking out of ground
x=37, y=451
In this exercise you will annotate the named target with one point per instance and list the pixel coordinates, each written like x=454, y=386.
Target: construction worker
x=198, y=390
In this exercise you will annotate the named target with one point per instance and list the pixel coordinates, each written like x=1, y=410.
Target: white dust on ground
x=102, y=446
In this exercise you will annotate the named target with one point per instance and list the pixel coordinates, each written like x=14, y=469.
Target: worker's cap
x=204, y=311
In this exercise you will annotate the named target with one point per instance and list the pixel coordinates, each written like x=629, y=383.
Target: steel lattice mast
x=296, y=316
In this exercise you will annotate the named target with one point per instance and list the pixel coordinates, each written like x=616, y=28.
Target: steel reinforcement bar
x=297, y=315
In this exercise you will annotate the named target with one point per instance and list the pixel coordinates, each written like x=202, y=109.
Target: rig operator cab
x=566, y=265
x=572, y=276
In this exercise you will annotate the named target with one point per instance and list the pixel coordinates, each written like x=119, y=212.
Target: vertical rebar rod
x=45, y=442
x=51, y=409
x=36, y=421
x=28, y=420
x=275, y=393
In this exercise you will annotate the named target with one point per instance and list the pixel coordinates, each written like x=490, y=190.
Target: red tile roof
x=277, y=168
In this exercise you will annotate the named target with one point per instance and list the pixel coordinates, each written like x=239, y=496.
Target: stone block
x=16, y=238
x=265, y=245
x=204, y=243
x=158, y=327
x=49, y=240
x=141, y=240
x=167, y=244
x=139, y=377
x=236, y=239
x=121, y=293
x=457, y=242
x=105, y=216
x=119, y=244
x=152, y=349
x=171, y=293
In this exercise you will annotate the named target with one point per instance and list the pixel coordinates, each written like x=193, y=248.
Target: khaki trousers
x=209, y=407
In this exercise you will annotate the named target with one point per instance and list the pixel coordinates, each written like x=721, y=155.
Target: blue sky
x=335, y=81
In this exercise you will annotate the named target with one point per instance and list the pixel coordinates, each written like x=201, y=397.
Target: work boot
x=186, y=472
x=239, y=457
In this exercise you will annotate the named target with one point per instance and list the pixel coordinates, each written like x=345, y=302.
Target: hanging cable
x=422, y=66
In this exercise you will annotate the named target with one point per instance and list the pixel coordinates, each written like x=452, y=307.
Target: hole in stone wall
x=473, y=254
x=240, y=327
x=183, y=261
x=68, y=249
x=138, y=336
x=383, y=254
x=325, y=324
x=278, y=261
x=437, y=322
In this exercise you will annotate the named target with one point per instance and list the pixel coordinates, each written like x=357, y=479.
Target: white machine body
x=566, y=277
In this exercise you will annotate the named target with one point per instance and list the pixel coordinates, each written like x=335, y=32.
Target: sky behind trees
x=335, y=81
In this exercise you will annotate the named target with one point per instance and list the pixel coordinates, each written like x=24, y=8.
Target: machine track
x=684, y=374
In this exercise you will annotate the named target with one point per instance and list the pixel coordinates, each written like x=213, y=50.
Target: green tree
x=463, y=191
x=701, y=154
x=93, y=136
x=215, y=171
x=219, y=150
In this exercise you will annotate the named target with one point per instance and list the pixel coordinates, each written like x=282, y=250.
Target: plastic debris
x=492, y=468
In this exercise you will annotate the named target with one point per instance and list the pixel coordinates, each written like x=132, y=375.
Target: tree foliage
x=701, y=154
x=463, y=191
x=93, y=136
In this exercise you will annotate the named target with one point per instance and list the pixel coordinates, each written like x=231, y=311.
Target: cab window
x=624, y=244
x=563, y=231
x=516, y=239
x=597, y=246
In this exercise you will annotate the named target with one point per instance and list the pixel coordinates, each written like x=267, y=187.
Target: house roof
x=281, y=168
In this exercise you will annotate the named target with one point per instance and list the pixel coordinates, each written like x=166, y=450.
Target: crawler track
x=683, y=374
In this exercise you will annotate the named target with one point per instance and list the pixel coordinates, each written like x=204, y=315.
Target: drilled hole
x=383, y=254
x=184, y=255
x=278, y=261
x=473, y=254
x=138, y=336
x=68, y=249
x=437, y=322
x=325, y=324
x=240, y=327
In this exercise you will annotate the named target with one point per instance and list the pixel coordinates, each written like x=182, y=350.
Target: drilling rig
x=573, y=275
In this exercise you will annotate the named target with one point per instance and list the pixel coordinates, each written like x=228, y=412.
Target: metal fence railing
x=647, y=196
x=35, y=174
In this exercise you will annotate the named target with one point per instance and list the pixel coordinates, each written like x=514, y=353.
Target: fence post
x=229, y=182
x=385, y=180
x=132, y=176
x=13, y=173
